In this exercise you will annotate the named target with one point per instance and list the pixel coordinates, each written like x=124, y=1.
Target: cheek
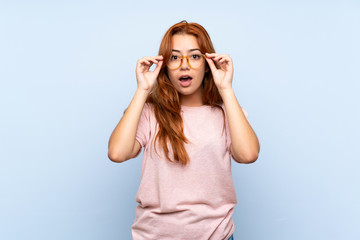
x=171, y=76
x=201, y=74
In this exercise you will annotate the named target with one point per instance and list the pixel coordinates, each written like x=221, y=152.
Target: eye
x=195, y=56
x=173, y=57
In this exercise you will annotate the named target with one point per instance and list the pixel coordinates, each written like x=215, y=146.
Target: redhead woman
x=186, y=117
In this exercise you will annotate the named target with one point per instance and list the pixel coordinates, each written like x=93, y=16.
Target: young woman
x=186, y=117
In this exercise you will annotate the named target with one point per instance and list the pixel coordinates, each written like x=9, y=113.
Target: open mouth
x=185, y=81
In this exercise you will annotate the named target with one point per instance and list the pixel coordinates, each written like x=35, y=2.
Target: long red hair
x=166, y=100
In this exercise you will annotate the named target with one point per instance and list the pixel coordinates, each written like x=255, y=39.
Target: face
x=185, y=79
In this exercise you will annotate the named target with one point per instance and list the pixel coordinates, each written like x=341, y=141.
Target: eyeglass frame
x=187, y=59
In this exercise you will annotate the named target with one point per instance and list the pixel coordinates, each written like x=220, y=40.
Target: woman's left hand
x=222, y=74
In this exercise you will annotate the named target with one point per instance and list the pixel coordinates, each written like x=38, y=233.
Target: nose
x=184, y=64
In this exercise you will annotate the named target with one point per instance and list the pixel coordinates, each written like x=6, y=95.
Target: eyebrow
x=191, y=50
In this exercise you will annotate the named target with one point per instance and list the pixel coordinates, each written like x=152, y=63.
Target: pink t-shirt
x=189, y=202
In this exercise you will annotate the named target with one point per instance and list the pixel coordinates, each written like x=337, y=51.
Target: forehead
x=184, y=42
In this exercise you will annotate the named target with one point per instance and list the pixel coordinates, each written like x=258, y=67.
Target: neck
x=193, y=100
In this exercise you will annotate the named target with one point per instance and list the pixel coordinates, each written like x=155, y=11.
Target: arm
x=245, y=145
x=122, y=143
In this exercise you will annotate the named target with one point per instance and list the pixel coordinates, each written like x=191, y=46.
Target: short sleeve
x=227, y=130
x=143, y=129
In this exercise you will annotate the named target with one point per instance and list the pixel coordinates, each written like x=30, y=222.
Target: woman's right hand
x=145, y=78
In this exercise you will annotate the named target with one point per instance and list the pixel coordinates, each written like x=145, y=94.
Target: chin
x=186, y=92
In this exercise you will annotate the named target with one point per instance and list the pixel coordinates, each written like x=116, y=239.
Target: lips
x=185, y=80
x=185, y=77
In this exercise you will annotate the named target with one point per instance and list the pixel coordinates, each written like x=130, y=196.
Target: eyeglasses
x=194, y=60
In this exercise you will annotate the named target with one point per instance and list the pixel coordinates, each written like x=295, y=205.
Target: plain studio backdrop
x=67, y=71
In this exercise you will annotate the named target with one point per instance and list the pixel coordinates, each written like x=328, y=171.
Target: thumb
x=211, y=64
x=158, y=67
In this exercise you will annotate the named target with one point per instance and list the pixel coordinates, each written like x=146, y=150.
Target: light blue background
x=67, y=71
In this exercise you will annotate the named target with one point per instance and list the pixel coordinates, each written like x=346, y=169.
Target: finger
x=160, y=57
x=217, y=61
x=211, y=54
x=144, y=59
x=217, y=58
x=155, y=58
x=145, y=62
x=151, y=59
x=221, y=57
x=223, y=60
x=228, y=59
x=141, y=64
x=211, y=65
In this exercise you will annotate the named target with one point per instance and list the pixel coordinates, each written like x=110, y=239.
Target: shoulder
x=148, y=108
x=148, y=111
x=149, y=105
